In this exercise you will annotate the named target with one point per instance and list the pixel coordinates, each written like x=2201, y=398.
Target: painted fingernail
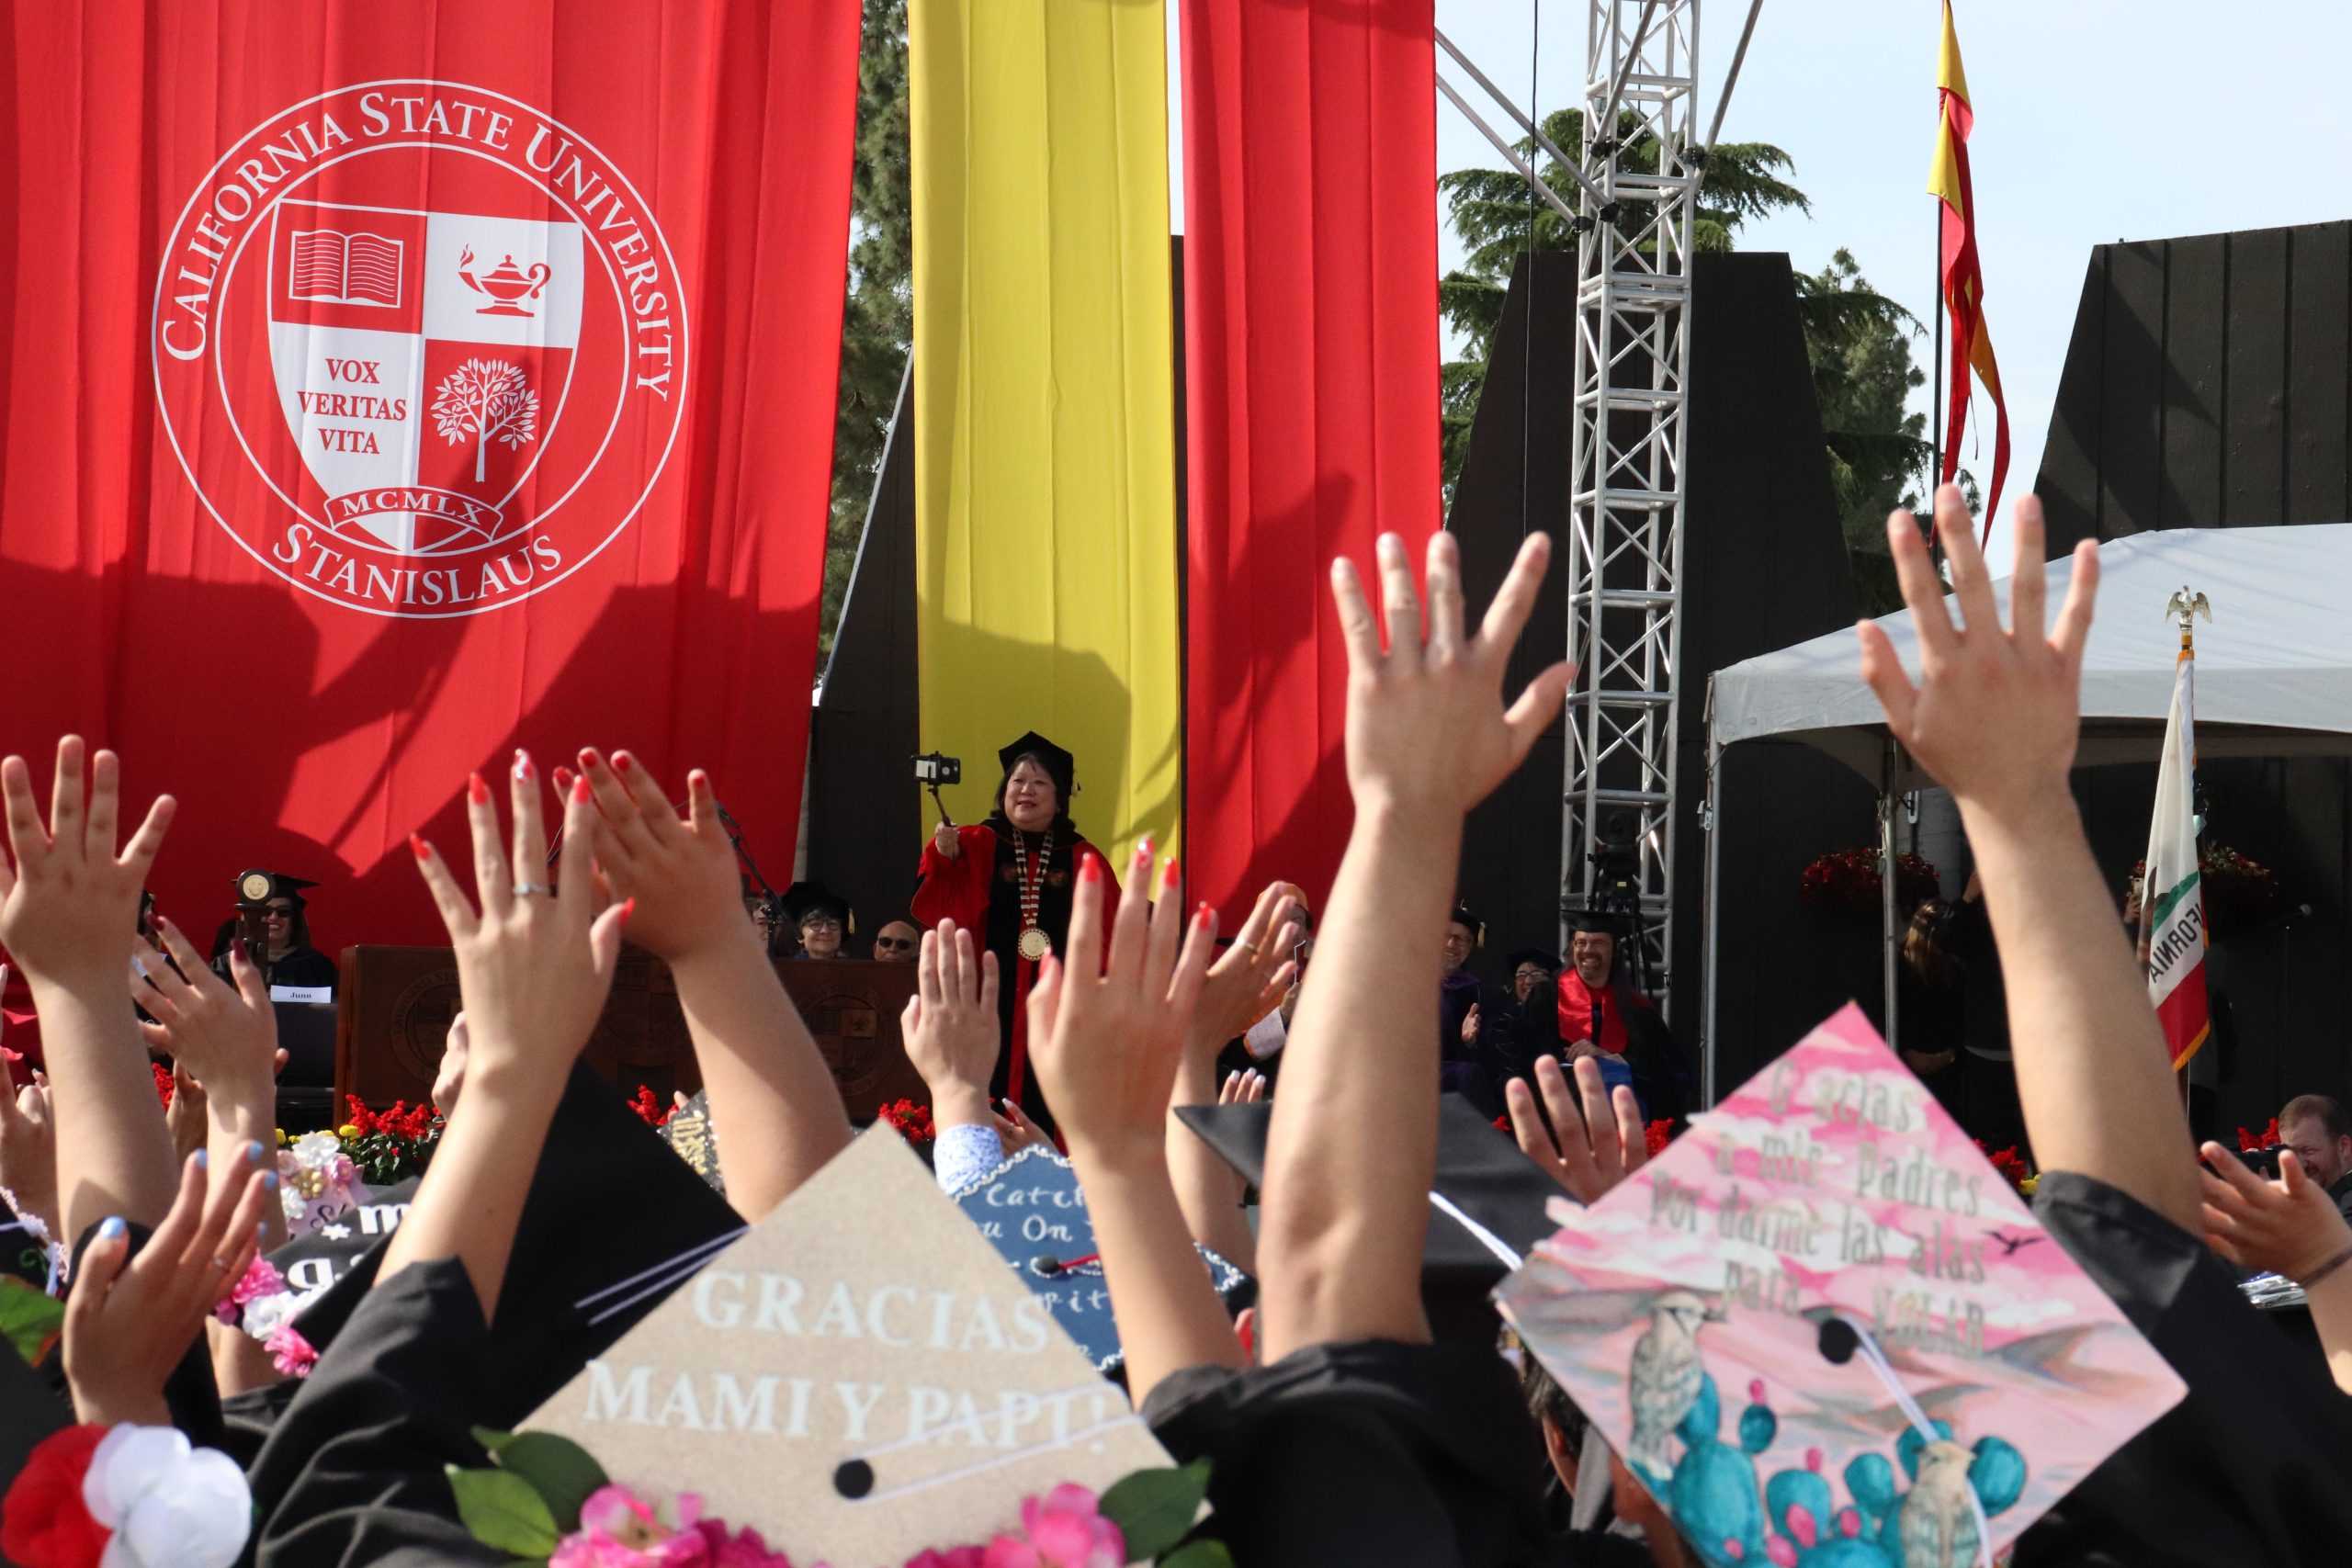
x=1143, y=848
x=563, y=777
x=244, y=953
x=252, y=1154
x=111, y=1227
x=628, y=910
x=418, y=847
x=523, y=765
x=269, y=1181
x=621, y=764
x=580, y=791
x=202, y=1159
x=1203, y=914
x=476, y=791
x=261, y=1232
x=1092, y=870
x=1172, y=873
x=587, y=756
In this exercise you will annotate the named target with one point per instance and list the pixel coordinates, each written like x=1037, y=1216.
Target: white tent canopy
x=2274, y=678
x=2274, y=667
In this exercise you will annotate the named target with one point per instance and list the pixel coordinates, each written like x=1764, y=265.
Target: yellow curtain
x=1045, y=417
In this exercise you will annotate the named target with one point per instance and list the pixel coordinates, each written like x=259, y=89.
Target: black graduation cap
x=1060, y=765
x=1462, y=917
x=609, y=1203
x=1596, y=920
x=803, y=899
x=280, y=885
x=1546, y=961
x=1480, y=1171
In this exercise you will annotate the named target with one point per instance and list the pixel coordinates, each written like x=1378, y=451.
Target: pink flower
x=617, y=1513
x=1068, y=1533
x=290, y=1352
x=956, y=1557
x=262, y=1279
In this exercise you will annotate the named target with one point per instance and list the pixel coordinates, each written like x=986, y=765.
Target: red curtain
x=1310, y=276
x=385, y=388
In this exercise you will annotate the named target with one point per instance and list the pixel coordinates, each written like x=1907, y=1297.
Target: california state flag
x=2172, y=895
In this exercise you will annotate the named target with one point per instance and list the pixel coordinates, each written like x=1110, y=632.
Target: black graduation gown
x=1369, y=1453
x=1662, y=1078
x=2252, y=1466
x=303, y=966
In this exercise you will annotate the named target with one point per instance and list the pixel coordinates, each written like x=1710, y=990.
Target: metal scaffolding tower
x=1632, y=357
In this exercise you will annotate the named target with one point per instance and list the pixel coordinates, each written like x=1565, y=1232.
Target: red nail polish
x=522, y=766
x=1092, y=870
x=587, y=756
x=244, y=953
x=620, y=761
x=1143, y=850
x=580, y=791
x=1173, y=874
x=417, y=843
x=476, y=791
x=628, y=910
x=1202, y=914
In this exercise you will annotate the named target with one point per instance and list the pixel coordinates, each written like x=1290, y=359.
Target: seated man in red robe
x=1008, y=880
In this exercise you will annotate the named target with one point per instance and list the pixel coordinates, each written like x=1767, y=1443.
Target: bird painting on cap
x=1939, y=1528
x=1665, y=1375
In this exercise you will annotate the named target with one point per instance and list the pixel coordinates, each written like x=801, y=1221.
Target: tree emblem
x=489, y=399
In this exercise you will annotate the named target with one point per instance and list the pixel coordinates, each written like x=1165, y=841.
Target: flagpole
x=1936, y=380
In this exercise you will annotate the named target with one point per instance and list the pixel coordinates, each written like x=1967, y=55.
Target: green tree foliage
x=1496, y=217
x=878, y=320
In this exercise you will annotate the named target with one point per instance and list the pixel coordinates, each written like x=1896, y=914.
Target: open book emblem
x=336, y=268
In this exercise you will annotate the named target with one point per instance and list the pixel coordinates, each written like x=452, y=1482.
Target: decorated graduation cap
x=1821, y=1319
x=804, y=899
x=1060, y=765
x=859, y=1376
x=1031, y=1210
x=1488, y=1196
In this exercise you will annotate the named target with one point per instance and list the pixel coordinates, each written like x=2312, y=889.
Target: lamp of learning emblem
x=507, y=285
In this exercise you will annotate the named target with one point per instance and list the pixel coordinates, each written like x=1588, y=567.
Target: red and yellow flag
x=1963, y=279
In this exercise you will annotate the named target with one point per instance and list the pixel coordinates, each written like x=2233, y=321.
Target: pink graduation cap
x=1823, y=1330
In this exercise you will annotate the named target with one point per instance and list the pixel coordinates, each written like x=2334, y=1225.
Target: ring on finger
x=221, y=1263
x=524, y=889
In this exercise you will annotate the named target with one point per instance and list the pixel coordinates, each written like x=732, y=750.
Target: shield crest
x=422, y=361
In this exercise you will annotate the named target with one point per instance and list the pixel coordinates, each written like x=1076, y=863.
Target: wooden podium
x=393, y=1013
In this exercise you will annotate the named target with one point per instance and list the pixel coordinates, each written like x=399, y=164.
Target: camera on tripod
x=1617, y=869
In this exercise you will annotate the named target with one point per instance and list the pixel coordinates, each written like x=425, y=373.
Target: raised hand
x=224, y=1036
x=69, y=905
x=1470, y=1025
x=1243, y=1085
x=2290, y=1226
x=1249, y=978
x=29, y=1144
x=681, y=871
x=1014, y=1130
x=187, y=1118
x=1600, y=1140
x=946, y=841
x=1106, y=1046
x=130, y=1320
x=1426, y=728
x=951, y=1026
x=1995, y=715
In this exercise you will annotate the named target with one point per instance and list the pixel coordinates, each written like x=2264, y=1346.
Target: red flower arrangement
x=387, y=1145
x=1657, y=1135
x=650, y=1111
x=2011, y=1164
x=162, y=1082
x=2254, y=1143
x=1847, y=882
x=400, y=1121
x=912, y=1121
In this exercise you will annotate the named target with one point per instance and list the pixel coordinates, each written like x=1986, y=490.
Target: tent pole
x=1710, y=824
x=1887, y=935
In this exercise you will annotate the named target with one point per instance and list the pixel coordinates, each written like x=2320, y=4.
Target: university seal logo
x=421, y=349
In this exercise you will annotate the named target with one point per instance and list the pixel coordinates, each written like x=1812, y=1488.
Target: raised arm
x=1995, y=718
x=1106, y=1050
x=1353, y=1145
x=774, y=1112
x=69, y=910
x=534, y=969
x=1247, y=982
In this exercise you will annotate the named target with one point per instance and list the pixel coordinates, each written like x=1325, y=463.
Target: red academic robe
x=964, y=889
x=1577, y=1005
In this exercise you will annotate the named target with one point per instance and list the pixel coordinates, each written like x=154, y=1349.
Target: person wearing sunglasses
x=895, y=943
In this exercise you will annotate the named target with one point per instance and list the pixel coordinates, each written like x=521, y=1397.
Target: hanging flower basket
x=1846, y=881
x=2240, y=894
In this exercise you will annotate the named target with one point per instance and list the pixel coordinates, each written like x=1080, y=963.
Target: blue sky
x=2095, y=120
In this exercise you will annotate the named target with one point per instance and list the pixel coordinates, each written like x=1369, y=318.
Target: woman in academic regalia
x=289, y=959
x=1008, y=881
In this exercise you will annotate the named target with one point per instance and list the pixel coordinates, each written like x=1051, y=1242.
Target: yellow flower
x=2029, y=1184
x=281, y=1138
x=347, y=1131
